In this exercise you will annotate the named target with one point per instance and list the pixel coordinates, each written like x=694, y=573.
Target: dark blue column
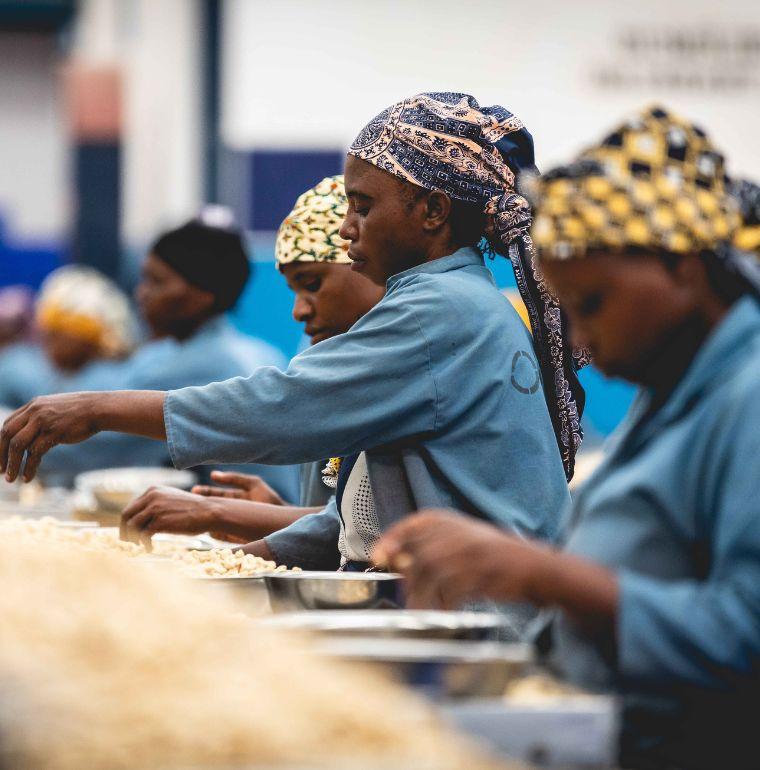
x=97, y=176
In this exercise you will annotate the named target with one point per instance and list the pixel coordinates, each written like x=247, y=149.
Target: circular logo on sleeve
x=525, y=376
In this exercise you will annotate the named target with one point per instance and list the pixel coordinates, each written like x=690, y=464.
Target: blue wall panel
x=264, y=310
x=279, y=177
x=27, y=263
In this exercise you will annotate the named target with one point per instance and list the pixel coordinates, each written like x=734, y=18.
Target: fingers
x=206, y=491
x=128, y=527
x=239, y=480
x=41, y=424
x=17, y=446
x=435, y=555
x=12, y=425
x=431, y=565
x=140, y=521
x=34, y=455
x=402, y=535
x=162, y=509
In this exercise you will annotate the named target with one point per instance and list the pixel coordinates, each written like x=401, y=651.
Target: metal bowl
x=395, y=624
x=290, y=591
x=440, y=668
x=115, y=488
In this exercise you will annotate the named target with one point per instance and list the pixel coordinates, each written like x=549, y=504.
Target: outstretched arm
x=69, y=418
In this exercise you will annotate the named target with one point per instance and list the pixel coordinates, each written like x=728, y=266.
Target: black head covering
x=209, y=257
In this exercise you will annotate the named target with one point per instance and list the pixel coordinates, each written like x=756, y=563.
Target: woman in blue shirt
x=191, y=277
x=439, y=385
x=658, y=585
x=329, y=299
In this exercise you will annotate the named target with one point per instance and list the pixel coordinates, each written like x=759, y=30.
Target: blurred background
x=122, y=118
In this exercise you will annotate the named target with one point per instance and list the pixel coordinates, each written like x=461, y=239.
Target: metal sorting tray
x=562, y=732
x=394, y=624
x=290, y=591
x=441, y=669
x=250, y=592
x=185, y=542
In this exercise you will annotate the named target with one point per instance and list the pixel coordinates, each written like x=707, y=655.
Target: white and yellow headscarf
x=310, y=233
x=83, y=303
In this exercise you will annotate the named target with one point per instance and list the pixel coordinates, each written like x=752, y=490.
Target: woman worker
x=329, y=299
x=658, y=586
x=435, y=394
x=191, y=277
x=82, y=318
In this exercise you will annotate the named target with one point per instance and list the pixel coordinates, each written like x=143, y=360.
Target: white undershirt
x=360, y=528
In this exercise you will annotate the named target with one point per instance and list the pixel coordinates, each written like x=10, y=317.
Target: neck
x=663, y=373
x=185, y=329
x=440, y=250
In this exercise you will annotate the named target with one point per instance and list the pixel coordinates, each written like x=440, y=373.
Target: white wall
x=34, y=192
x=162, y=168
x=156, y=45
x=307, y=74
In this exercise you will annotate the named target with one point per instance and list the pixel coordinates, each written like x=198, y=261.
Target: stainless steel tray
x=441, y=669
x=399, y=624
x=572, y=732
x=290, y=591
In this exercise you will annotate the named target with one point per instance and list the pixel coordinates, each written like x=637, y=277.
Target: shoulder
x=469, y=292
x=741, y=394
x=732, y=411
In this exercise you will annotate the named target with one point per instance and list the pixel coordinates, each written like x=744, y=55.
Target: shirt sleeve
x=309, y=543
x=368, y=387
x=706, y=632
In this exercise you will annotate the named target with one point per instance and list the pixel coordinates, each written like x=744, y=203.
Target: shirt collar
x=463, y=257
x=727, y=343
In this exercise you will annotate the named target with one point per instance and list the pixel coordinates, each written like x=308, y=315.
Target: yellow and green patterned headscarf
x=657, y=183
x=310, y=232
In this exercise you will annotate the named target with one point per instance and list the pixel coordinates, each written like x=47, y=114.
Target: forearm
x=138, y=412
x=586, y=591
x=259, y=548
x=253, y=521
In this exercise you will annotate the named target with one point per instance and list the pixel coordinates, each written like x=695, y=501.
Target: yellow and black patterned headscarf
x=657, y=184
x=747, y=193
x=310, y=233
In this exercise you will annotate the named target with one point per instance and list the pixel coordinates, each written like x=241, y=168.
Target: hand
x=34, y=429
x=244, y=487
x=166, y=509
x=448, y=559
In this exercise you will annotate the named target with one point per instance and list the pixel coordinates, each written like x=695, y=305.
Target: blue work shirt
x=25, y=373
x=216, y=351
x=442, y=366
x=674, y=509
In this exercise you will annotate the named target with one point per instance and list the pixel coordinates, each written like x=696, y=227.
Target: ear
x=200, y=300
x=437, y=210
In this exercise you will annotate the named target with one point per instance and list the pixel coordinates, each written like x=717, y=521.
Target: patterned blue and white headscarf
x=448, y=142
